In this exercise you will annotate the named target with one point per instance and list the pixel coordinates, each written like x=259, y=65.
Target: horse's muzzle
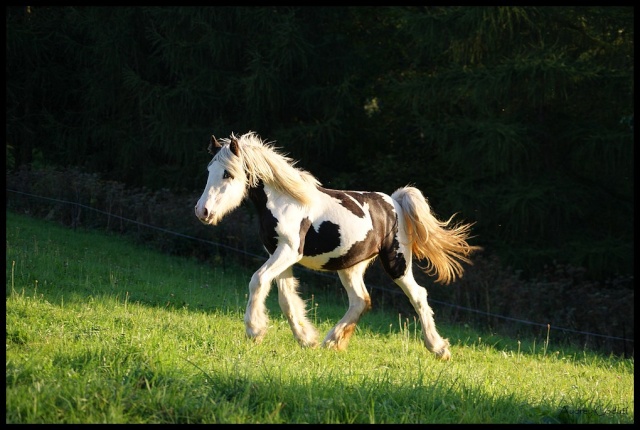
x=205, y=217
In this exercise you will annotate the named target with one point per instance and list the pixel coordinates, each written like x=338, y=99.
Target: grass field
x=99, y=330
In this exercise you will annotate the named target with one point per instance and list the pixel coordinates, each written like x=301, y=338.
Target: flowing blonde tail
x=442, y=243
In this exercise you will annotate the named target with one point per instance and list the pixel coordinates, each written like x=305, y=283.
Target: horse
x=302, y=222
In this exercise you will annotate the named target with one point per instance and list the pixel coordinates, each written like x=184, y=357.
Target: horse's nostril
x=201, y=214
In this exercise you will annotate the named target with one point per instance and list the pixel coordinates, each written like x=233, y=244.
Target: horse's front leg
x=294, y=309
x=255, y=317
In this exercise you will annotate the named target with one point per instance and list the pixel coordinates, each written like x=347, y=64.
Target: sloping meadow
x=100, y=330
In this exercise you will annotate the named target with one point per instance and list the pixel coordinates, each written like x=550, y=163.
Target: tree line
x=519, y=119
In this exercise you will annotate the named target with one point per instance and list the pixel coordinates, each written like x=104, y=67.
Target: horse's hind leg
x=293, y=308
x=359, y=303
x=418, y=296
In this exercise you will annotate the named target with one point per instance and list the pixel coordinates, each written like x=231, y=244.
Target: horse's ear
x=214, y=146
x=234, y=146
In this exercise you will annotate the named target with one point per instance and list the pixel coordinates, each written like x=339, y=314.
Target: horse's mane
x=263, y=161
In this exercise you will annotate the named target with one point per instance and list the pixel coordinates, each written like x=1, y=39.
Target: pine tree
x=514, y=120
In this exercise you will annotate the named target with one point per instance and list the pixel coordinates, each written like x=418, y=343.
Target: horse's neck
x=258, y=196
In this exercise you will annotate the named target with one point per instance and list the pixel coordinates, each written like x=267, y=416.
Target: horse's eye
x=226, y=175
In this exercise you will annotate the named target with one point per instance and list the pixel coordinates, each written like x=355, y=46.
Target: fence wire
x=323, y=274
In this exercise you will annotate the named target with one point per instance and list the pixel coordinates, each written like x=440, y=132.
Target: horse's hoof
x=330, y=344
x=257, y=340
x=335, y=345
x=254, y=335
x=444, y=354
x=310, y=345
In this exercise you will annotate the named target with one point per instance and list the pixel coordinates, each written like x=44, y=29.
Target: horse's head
x=227, y=182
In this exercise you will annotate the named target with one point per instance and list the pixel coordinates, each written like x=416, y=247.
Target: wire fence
x=322, y=274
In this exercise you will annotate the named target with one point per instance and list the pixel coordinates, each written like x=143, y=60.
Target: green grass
x=99, y=330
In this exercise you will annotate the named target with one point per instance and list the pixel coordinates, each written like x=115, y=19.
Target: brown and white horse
x=329, y=230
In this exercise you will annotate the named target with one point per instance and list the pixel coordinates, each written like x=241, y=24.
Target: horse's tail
x=442, y=243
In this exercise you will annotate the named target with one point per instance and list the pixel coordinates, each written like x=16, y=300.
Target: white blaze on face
x=222, y=194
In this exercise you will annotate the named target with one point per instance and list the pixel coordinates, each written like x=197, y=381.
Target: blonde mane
x=262, y=161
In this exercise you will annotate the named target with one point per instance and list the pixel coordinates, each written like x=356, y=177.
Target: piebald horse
x=329, y=230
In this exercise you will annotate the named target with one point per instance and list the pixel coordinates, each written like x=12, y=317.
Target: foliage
x=514, y=117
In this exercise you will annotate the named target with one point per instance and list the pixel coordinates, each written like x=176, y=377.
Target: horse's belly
x=341, y=258
x=316, y=262
x=334, y=263
x=327, y=246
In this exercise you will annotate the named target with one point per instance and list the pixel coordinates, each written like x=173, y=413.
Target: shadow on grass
x=276, y=399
